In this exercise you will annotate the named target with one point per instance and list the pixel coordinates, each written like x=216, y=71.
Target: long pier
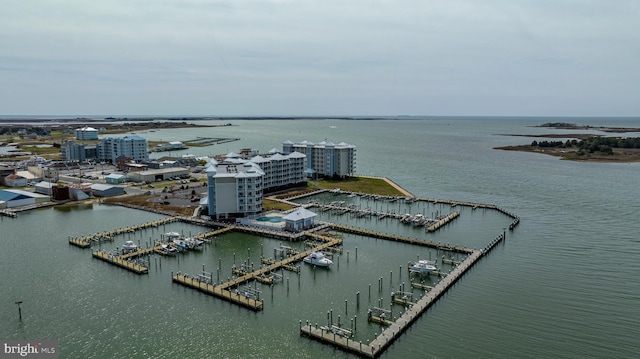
x=207, y=141
x=87, y=241
x=394, y=329
x=397, y=238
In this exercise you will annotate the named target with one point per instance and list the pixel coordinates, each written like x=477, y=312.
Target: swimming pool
x=270, y=219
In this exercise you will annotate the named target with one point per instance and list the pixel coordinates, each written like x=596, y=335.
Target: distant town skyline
x=329, y=58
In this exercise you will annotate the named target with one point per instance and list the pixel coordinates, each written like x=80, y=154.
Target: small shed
x=105, y=190
x=300, y=218
x=15, y=181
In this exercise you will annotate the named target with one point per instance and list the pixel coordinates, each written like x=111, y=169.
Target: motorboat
x=318, y=259
x=423, y=266
x=129, y=246
x=194, y=243
x=181, y=244
x=418, y=219
x=168, y=250
x=170, y=236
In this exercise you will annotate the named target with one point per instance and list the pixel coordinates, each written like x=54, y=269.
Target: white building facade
x=134, y=147
x=325, y=159
x=86, y=133
x=281, y=170
x=234, y=189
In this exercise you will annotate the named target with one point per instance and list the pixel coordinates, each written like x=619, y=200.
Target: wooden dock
x=289, y=267
x=219, y=291
x=206, y=237
x=224, y=290
x=393, y=237
x=87, y=241
x=448, y=218
x=120, y=262
x=394, y=329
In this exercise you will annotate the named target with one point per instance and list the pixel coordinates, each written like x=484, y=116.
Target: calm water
x=564, y=285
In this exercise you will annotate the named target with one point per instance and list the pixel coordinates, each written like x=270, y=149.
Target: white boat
x=129, y=246
x=423, y=266
x=318, y=259
x=170, y=236
x=418, y=219
x=194, y=243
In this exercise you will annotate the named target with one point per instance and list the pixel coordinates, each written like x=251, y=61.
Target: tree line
x=593, y=144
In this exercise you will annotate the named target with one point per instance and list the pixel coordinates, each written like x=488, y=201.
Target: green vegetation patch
x=362, y=185
x=268, y=205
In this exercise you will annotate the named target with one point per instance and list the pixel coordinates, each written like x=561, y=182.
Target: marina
x=395, y=328
x=533, y=294
x=229, y=290
x=242, y=287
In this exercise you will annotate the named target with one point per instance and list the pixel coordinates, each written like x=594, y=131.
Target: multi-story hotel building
x=234, y=189
x=86, y=133
x=134, y=147
x=236, y=185
x=325, y=159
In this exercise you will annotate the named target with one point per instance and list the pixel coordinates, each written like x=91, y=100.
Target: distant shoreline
x=574, y=153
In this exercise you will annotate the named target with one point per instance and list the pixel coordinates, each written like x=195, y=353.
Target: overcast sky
x=325, y=57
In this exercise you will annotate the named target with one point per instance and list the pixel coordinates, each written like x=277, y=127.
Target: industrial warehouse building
x=10, y=198
x=106, y=190
x=159, y=174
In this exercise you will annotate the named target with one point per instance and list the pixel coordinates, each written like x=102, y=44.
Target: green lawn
x=362, y=185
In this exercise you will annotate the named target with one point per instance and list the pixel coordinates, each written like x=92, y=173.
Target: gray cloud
x=201, y=57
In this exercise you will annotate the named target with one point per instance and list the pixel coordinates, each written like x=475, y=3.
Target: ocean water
x=563, y=285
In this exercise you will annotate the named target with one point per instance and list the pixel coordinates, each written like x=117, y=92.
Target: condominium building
x=325, y=159
x=236, y=185
x=234, y=189
x=134, y=147
x=281, y=170
x=86, y=133
x=72, y=151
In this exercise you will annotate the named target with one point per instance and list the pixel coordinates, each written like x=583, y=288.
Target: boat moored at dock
x=318, y=259
x=423, y=266
x=129, y=246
